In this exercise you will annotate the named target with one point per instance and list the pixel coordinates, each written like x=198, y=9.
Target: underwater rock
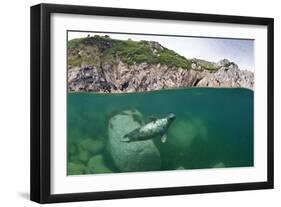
x=73, y=158
x=93, y=146
x=96, y=164
x=131, y=156
x=180, y=168
x=219, y=165
x=72, y=149
x=76, y=168
x=83, y=155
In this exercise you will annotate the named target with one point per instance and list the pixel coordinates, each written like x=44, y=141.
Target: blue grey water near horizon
x=213, y=126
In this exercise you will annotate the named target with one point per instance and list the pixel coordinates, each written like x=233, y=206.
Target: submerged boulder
x=97, y=164
x=131, y=156
x=76, y=169
x=180, y=168
x=83, y=155
x=93, y=146
x=219, y=165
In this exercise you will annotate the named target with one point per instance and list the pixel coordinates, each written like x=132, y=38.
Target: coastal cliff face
x=102, y=64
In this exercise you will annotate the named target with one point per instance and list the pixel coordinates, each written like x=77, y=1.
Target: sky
x=240, y=51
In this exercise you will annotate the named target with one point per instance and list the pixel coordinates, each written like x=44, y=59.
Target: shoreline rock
x=120, y=77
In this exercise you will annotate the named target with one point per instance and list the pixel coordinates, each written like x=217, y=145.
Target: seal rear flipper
x=164, y=138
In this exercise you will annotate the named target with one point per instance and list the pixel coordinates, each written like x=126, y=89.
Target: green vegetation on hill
x=132, y=52
x=205, y=64
x=99, y=49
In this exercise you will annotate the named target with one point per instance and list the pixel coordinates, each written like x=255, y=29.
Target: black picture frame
x=41, y=99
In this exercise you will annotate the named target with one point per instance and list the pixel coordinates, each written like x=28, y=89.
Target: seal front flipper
x=164, y=138
x=131, y=136
x=125, y=139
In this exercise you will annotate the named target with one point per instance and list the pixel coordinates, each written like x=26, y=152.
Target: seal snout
x=171, y=116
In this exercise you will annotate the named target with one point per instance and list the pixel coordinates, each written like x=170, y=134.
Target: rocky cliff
x=102, y=64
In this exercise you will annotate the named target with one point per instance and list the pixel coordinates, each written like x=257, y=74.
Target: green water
x=213, y=127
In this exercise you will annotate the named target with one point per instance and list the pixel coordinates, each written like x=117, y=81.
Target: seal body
x=153, y=129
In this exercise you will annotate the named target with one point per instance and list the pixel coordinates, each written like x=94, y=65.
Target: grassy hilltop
x=97, y=49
